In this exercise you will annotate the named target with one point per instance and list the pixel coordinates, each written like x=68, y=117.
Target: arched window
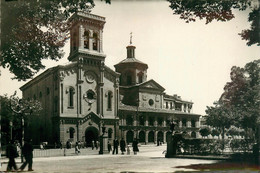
x=74, y=41
x=184, y=122
x=109, y=100
x=71, y=97
x=150, y=121
x=110, y=131
x=95, y=41
x=129, y=80
x=71, y=131
x=86, y=39
x=129, y=120
x=141, y=120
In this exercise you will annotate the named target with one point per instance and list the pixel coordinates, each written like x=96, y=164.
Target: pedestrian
x=109, y=146
x=27, y=151
x=67, y=144
x=11, y=153
x=77, y=150
x=93, y=144
x=122, y=145
x=115, y=146
x=135, y=146
x=60, y=145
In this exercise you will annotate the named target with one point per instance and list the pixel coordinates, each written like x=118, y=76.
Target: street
x=149, y=159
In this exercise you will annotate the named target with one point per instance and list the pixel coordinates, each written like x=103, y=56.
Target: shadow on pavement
x=223, y=165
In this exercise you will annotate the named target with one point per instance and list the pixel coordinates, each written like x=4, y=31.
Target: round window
x=151, y=102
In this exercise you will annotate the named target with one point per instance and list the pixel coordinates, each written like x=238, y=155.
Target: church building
x=82, y=97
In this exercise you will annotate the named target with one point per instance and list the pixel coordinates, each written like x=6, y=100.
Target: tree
x=233, y=131
x=219, y=10
x=16, y=110
x=215, y=132
x=219, y=117
x=242, y=96
x=32, y=31
x=205, y=131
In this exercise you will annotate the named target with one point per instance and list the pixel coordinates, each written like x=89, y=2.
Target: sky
x=191, y=60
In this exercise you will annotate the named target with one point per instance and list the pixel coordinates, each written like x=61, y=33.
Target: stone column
x=146, y=137
x=146, y=121
x=197, y=124
x=180, y=123
x=189, y=123
x=155, y=137
x=164, y=122
x=90, y=40
x=135, y=123
x=155, y=122
x=81, y=38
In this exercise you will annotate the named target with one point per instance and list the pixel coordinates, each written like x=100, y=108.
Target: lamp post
x=137, y=107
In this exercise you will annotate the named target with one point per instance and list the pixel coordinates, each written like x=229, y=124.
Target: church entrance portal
x=91, y=134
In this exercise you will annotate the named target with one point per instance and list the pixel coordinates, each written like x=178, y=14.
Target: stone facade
x=80, y=98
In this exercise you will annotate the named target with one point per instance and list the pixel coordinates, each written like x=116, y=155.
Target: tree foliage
x=219, y=117
x=239, y=104
x=215, y=132
x=205, y=131
x=32, y=31
x=219, y=10
x=13, y=109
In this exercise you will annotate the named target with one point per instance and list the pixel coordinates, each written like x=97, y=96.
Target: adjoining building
x=81, y=97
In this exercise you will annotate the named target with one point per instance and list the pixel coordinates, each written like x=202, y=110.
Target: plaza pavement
x=149, y=159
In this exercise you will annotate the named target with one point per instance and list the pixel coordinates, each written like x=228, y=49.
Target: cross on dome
x=131, y=37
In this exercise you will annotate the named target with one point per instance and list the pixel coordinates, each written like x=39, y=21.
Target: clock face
x=90, y=78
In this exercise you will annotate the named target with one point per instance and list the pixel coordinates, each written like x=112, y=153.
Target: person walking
x=135, y=146
x=27, y=151
x=109, y=146
x=11, y=153
x=115, y=146
x=122, y=145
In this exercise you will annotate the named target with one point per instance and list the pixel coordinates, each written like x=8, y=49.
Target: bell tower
x=86, y=37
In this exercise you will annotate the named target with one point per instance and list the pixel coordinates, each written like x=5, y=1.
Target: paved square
x=149, y=159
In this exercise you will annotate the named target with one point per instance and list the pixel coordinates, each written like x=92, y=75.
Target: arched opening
x=86, y=39
x=91, y=134
x=193, y=134
x=95, y=41
x=151, y=136
x=141, y=120
x=109, y=100
x=129, y=120
x=71, y=132
x=129, y=80
x=74, y=41
x=141, y=136
x=129, y=136
x=71, y=97
x=160, y=136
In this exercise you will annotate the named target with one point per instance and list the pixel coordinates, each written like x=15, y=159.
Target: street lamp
x=137, y=106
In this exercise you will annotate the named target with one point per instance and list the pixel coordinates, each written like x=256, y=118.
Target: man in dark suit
x=116, y=143
x=27, y=151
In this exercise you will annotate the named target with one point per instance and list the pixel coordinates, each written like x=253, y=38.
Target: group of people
x=123, y=146
x=12, y=153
